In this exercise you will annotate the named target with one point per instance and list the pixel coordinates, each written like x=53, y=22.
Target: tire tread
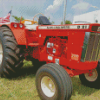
x=12, y=60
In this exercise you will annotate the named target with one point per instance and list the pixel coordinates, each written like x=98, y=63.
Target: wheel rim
x=93, y=77
x=48, y=86
x=1, y=53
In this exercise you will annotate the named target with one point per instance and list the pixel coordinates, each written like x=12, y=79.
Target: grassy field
x=23, y=87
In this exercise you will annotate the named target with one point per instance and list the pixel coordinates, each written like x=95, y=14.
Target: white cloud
x=94, y=7
x=53, y=8
x=82, y=6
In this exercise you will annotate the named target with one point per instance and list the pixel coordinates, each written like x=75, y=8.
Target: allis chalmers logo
x=75, y=57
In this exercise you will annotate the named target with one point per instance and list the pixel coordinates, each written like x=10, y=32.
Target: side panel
x=19, y=36
x=32, y=36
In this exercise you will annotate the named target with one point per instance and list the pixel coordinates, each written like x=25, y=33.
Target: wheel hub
x=92, y=77
x=48, y=86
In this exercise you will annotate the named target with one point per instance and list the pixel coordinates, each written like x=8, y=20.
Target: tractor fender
x=19, y=33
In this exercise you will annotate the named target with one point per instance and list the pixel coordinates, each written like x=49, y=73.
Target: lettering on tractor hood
x=65, y=27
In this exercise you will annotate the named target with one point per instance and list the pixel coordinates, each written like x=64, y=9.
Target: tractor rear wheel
x=11, y=58
x=93, y=80
x=51, y=83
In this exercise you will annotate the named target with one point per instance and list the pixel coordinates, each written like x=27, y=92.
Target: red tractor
x=62, y=51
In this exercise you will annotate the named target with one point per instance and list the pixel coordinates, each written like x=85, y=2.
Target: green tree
x=67, y=22
x=17, y=19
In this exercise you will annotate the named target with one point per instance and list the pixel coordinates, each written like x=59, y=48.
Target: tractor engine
x=57, y=46
x=54, y=48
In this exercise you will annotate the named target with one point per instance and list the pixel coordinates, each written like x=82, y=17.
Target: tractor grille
x=91, y=47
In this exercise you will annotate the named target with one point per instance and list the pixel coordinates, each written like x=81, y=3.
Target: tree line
x=17, y=19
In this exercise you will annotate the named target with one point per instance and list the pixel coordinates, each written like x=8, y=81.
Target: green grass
x=23, y=87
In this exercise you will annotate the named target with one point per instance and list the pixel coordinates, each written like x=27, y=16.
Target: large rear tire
x=92, y=81
x=51, y=83
x=11, y=58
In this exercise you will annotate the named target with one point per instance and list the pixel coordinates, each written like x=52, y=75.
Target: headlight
x=15, y=25
x=20, y=25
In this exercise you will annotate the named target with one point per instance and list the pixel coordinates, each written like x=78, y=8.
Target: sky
x=52, y=9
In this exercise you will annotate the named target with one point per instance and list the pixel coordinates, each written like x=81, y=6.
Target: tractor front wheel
x=53, y=83
x=93, y=80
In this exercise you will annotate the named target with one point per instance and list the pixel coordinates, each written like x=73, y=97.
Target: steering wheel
x=36, y=16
